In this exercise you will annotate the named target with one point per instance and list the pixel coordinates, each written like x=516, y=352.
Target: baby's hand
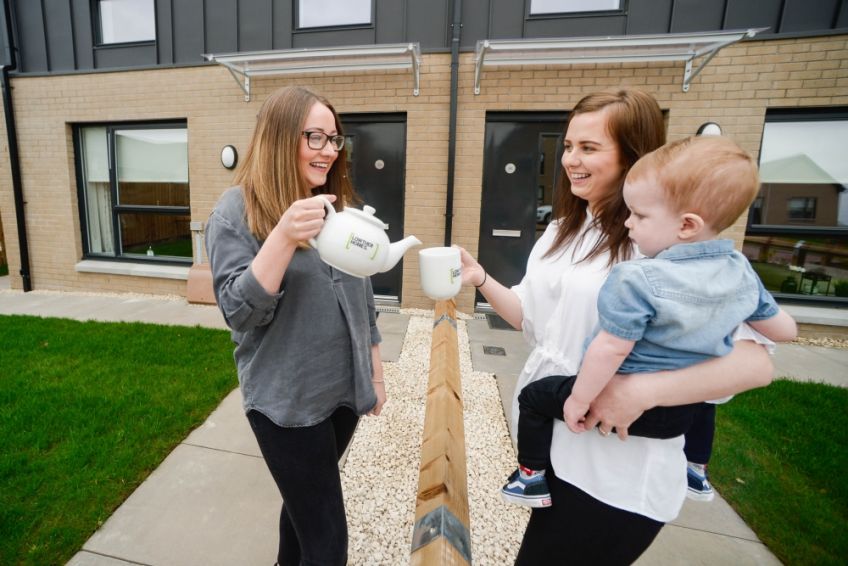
x=574, y=414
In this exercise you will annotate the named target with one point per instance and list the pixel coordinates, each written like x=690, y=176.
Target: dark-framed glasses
x=317, y=140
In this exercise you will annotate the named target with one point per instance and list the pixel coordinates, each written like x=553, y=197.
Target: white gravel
x=380, y=477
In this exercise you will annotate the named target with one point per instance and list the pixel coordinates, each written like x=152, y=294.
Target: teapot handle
x=330, y=212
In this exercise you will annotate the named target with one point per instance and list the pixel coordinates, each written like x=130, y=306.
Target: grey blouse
x=304, y=351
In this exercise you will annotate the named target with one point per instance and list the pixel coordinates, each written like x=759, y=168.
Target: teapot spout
x=396, y=251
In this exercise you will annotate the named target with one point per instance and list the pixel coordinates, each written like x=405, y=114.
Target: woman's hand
x=472, y=272
x=378, y=381
x=617, y=406
x=304, y=218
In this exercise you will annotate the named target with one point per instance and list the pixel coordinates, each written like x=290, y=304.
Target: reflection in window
x=125, y=21
x=135, y=192
x=564, y=6
x=797, y=237
x=802, y=208
x=313, y=14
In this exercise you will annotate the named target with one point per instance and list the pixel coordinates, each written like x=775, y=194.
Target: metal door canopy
x=611, y=49
x=246, y=65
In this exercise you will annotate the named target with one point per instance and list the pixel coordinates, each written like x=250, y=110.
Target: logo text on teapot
x=355, y=242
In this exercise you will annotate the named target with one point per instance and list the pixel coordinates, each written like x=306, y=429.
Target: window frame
x=118, y=209
x=622, y=9
x=362, y=25
x=97, y=29
x=815, y=114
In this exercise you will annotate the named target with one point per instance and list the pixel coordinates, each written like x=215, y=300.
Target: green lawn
x=779, y=459
x=87, y=411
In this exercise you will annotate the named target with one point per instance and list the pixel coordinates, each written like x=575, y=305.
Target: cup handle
x=330, y=212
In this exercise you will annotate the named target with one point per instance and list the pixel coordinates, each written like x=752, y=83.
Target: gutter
x=456, y=28
x=14, y=159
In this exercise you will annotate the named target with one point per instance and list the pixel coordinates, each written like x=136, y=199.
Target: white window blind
x=158, y=156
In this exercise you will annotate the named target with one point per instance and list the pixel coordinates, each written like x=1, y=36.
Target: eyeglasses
x=317, y=140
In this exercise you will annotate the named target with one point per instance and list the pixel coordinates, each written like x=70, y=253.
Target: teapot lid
x=367, y=214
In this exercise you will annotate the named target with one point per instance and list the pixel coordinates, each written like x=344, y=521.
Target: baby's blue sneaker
x=527, y=490
x=699, y=486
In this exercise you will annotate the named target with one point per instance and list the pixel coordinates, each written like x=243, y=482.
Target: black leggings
x=540, y=402
x=304, y=462
x=579, y=529
x=699, y=437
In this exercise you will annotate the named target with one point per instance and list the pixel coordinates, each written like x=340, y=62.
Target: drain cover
x=494, y=351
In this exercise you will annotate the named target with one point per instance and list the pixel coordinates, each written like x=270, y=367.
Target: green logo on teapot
x=370, y=248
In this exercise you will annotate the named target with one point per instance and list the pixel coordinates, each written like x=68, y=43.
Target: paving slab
x=812, y=363
x=226, y=429
x=679, y=545
x=200, y=506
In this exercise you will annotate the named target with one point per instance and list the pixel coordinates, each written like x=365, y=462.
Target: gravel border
x=380, y=477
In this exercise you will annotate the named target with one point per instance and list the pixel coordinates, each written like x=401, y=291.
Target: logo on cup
x=455, y=273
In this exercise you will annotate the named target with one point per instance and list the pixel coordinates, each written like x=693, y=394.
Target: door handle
x=507, y=233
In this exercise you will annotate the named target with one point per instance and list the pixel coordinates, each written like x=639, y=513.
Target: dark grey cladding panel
x=283, y=24
x=842, y=22
x=390, y=21
x=506, y=19
x=83, y=34
x=164, y=35
x=32, y=55
x=188, y=39
x=808, y=15
x=648, y=16
x=475, y=22
x=254, y=25
x=746, y=14
x=117, y=56
x=428, y=23
x=5, y=57
x=60, y=35
x=696, y=15
x=220, y=17
x=583, y=26
x=338, y=37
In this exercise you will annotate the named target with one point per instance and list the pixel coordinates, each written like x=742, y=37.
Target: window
x=126, y=21
x=802, y=208
x=134, y=191
x=797, y=236
x=323, y=13
x=569, y=6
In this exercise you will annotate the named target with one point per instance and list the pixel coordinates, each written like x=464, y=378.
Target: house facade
x=128, y=113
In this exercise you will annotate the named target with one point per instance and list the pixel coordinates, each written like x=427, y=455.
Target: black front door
x=521, y=167
x=376, y=146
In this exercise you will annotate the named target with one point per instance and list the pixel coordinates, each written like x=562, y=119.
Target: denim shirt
x=682, y=306
x=304, y=351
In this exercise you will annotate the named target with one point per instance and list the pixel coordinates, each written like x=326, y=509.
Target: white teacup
x=441, y=272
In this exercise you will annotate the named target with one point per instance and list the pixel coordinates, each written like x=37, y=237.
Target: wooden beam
x=441, y=534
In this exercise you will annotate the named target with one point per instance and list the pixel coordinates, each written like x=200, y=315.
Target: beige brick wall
x=735, y=90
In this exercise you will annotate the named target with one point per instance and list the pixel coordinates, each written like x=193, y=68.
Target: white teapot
x=354, y=241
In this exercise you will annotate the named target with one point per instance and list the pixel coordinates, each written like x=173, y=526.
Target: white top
x=559, y=302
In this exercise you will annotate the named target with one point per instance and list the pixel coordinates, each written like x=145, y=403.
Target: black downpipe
x=14, y=160
x=456, y=28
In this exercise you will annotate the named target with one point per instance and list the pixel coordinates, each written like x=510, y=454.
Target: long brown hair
x=270, y=175
x=635, y=123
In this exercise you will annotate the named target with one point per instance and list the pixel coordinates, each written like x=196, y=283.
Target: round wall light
x=229, y=157
x=709, y=129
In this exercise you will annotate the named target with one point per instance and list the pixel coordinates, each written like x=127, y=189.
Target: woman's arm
x=301, y=221
x=747, y=366
x=505, y=302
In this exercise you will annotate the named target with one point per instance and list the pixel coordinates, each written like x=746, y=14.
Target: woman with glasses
x=307, y=345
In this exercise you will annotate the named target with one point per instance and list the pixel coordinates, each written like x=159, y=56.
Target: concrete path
x=211, y=501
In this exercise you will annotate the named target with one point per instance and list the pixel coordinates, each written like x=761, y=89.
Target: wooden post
x=441, y=535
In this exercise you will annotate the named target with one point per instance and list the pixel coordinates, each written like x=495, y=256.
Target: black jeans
x=578, y=529
x=541, y=402
x=304, y=462
x=699, y=437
